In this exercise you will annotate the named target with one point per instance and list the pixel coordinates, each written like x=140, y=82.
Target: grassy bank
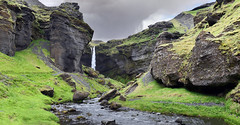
x=156, y=98
x=22, y=77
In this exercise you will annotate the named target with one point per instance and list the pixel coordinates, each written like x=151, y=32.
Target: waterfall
x=93, y=64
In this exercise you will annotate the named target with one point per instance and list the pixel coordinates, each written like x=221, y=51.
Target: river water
x=90, y=112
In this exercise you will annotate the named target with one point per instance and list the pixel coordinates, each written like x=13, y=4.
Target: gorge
x=182, y=71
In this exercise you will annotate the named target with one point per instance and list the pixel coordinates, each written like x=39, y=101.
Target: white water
x=93, y=64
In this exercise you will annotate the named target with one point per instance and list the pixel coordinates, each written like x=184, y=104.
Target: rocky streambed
x=90, y=112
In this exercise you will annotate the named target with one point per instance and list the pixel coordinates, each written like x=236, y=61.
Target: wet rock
x=81, y=118
x=48, y=91
x=89, y=114
x=53, y=109
x=72, y=110
x=64, y=112
x=80, y=96
x=115, y=106
x=104, y=103
x=122, y=98
x=111, y=94
x=179, y=120
x=108, y=122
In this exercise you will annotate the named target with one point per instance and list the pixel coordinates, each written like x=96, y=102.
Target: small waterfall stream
x=93, y=63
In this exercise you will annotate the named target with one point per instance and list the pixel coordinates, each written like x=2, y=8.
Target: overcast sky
x=114, y=19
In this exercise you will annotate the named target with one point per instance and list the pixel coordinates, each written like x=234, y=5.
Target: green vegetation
x=154, y=97
x=21, y=79
x=20, y=98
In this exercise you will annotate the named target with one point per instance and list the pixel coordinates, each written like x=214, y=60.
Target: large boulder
x=110, y=95
x=209, y=66
x=80, y=96
x=115, y=106
x=69, y=36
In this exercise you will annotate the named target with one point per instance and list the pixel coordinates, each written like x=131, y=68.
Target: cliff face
x=15, y=29
x=206, y=57
x=131, y=56
x=24, y=21
x=69, y=36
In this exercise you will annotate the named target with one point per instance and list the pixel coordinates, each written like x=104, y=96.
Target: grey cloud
x=113, y=19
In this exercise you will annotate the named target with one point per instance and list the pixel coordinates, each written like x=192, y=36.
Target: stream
x=90, y=112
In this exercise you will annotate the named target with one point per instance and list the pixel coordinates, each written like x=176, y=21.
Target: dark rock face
x=7, y=29
x=206, y=68
x=23, y=28
x=69, y=36
x=213, y=18
x=87, y=57
x=167, y=37
x=119, y=59
x=79, y=96
x=209, y=67
x=165, y=65
x=16, y=24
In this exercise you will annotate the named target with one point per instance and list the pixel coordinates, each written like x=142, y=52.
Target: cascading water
x=93, y=64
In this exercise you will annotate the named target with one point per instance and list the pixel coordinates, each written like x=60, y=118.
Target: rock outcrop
x=204, y=61
x=16, y=22
x=69, y=36
x=209, y=67
x=24, y=21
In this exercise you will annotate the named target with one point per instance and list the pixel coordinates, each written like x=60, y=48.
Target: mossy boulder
x=48, y=91
x=110, y=95
x=80, y=96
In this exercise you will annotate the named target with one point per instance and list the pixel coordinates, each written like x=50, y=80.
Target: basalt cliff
x=25, y=21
